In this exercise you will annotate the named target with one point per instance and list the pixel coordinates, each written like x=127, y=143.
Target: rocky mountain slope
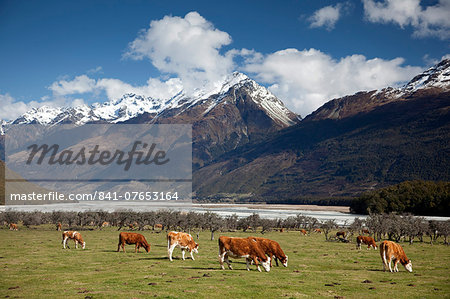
x=245, y=141
x=224, y=117
x=349, y=145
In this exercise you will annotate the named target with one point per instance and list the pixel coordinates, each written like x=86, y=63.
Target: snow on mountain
x=132, y=105
x=435, y=76
x=3, y=124
x=434, y=80
x=42, y=115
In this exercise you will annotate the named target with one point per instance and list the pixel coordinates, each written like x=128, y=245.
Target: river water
x=269, y=212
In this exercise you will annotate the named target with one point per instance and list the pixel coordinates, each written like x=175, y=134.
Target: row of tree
x=416, y=197
x=389, y=226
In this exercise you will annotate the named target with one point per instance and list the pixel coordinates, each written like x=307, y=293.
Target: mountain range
x=247, y=143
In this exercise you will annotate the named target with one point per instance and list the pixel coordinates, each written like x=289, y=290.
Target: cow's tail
x=383, y=249
x=168, y=241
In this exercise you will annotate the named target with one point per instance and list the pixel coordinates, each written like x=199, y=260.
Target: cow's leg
x=182, y=253
x=276, y=261
x=135, y=248
x=65, y=242
x=256, y=263
x=76, y=244
x=228, y=262
x=396, y=265
x=390, y=259
x=248, y=264
x=192, y=256
x=170, y=251
x=384, y=261
x=221, y=259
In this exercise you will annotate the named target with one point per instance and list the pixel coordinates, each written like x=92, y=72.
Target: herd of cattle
x=254, y=249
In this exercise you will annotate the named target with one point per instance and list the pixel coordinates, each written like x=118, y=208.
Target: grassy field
x=33, y=265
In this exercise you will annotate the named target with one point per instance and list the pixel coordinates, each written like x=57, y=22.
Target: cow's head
x=408, y=266
x=195, y=247
x=146, y=246
x=284, y=261
x=266, y=264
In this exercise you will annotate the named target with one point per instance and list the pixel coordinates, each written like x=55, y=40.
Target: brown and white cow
x=105, y=224
x=59, y=226
x=182, y=240
x=369, y=241
x=391, y=251
x=242, y=247
x=133, y=225
x=343, y=234
x=75, y=236
x=317, y=230
x=13, y=226
x=133, y=238
x=304, y=232
x=272, y=249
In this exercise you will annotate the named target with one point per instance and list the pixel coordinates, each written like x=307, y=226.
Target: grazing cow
x=242, y=247
x=133, y=225
x=76, y=236
x=13, y=226
x=105, y=224
x=184, y=241
x=317, y=230
x=59, y=226
x=132, y=238
x=272, y=249
x=158, y=225
x=392, y=251
x=338, y=234
x=369, y=241
x=282, y=230
x=304, y=232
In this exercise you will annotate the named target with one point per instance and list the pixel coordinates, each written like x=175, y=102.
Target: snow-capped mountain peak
x=132, y=105
x=436, y=76
x=42, y=115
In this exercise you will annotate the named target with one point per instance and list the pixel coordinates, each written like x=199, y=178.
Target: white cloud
x=427, y=21
x=80, y=84
x=95, y=70
x=115, y=88
x=188, y=47
x=307, y=79
x=155, y=88
x=12, y=108
x=326, y=16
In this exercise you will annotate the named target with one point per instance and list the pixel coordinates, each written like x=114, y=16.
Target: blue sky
x=306, y=52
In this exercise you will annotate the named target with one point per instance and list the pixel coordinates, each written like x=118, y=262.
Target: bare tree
x=327, y=226
x=231, y=222
x=213, y=222
x=443, y=228
x=32, y=218
x=268, y=225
